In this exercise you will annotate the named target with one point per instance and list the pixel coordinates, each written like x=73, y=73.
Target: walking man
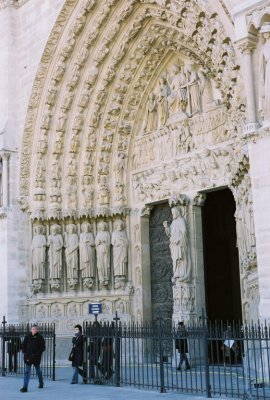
x=182, y=346
x=32, y=347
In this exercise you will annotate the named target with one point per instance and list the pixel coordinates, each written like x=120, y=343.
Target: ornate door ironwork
x=161, y=264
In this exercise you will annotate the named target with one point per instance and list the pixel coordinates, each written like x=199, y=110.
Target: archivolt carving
x=128, y=61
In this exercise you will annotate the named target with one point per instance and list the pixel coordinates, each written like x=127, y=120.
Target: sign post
x=95, y=308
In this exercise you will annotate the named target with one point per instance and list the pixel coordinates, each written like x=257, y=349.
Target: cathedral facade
x=134, y=154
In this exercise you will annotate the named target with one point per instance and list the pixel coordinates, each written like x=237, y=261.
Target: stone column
x=143, y=292
x=5, y=157
x=259, y=151
x=196, y=237
x=247, y=45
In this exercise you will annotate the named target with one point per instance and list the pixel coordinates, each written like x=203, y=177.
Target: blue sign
x=95, y=308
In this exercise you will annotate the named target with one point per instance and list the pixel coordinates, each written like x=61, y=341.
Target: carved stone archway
x=93, y=151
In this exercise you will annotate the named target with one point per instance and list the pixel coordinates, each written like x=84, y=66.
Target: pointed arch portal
x=134, y=103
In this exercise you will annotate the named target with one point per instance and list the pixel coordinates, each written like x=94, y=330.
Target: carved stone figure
x=264, y=105
x=193, y=90
x=119, y=168
x=120, y=251
x=55, y=243
x=87, y=191
x=72, y=254
x=178, y=99
x=179, y=245
x=162, y=101
x=87, y=255
x=151, y=118
x=103, y=194
x=103, y=242
x=38, y=248
x=40, y=171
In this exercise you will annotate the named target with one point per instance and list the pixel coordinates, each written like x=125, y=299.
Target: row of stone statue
x=82, y=252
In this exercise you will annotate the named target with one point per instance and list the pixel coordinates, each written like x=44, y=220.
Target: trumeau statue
x=179, y=246
x=87, y=255
x=264, y=104
x=103, y=242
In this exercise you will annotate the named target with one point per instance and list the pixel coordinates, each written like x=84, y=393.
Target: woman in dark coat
x=77, y=349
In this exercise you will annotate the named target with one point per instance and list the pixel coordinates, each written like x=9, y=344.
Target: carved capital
x=145, y=212
x=4, y=155
x=247, y=44
x=178, y=199
x=198, y=199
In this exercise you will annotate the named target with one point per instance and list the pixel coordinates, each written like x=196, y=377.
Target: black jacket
x=32, y=348
x=181, y=343
x=77, y=342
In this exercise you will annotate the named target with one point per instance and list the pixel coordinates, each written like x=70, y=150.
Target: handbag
x=71, y=356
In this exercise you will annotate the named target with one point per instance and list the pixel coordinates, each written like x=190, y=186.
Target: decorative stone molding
x=12, y=3
x=150, y=49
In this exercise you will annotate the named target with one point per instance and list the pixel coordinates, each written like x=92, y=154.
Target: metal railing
x=11, y=357
x=225, y=360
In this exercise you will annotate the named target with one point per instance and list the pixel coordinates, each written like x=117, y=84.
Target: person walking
x=107, y=353
x=182, y=346
x=77, y=358
x=32, y=347
x=94, y=350
x=13, y=348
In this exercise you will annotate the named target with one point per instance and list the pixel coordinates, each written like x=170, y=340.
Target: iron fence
x=224, y=360
x=11, y=357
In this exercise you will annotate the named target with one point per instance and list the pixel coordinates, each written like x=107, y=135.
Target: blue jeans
x=76, y=373
x=27, y=372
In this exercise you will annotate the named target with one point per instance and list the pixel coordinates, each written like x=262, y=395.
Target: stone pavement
x=61, y=389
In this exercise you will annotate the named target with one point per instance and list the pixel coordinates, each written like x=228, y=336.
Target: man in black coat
x=32, y=347
x=181, y=345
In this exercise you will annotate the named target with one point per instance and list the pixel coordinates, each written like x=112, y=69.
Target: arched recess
x=89, y=151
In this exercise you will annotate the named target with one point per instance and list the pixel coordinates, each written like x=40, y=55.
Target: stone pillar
x=5, y=181
x=259, y=151
x=247, y=46
x=196, y=237
x=143, y=261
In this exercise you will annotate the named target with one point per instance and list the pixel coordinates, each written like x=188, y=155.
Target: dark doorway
x=222, y=278
x=160, y=263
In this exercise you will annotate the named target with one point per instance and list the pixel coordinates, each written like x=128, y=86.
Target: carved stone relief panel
x=81, y=255
x=246, y=243
x=209, y=167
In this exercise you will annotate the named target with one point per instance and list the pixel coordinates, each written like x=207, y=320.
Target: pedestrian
x=13, y=347
x=107, y=353
x=77, y=358
x=94, y=350
x=181, y=345
x=230, y=347
x=32, y=347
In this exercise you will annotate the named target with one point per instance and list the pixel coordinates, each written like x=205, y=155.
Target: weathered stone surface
x=117, y=106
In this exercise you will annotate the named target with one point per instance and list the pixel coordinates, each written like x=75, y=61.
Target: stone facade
x=117, y=106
